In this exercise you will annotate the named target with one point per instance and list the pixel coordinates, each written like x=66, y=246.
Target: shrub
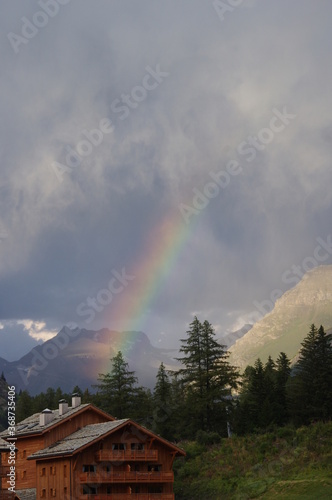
x=207, y=438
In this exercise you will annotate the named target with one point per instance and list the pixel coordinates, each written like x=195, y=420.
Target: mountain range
x=76, y=357
x=285, y=327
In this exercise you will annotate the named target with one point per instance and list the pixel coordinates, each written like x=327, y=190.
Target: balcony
x=4, y=470
x=126, y=496
x=126, y=477
x=126, y=455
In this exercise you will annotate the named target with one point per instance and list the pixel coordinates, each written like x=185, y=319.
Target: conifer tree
x=310, y=388
x=208, y=376
x=24, y=407
x=162, y=390
x=283, y=371
x=259, y=405
x=162, y=401
x=117, y=388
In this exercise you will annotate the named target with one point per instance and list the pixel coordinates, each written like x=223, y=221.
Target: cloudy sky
x=159, y=160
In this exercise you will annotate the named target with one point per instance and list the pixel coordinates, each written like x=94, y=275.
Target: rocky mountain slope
x=285, y=327
x=76, y=357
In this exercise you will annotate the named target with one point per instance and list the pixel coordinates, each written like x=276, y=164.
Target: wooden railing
x=125, y=455
x=127, y=496
x=127, y=477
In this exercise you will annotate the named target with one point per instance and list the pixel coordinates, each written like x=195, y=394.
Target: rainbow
x=129, y=310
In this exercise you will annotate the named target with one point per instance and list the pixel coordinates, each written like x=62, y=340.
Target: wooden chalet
x=82, y=453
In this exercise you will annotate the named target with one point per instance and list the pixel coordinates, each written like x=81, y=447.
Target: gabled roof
x=3, y=445
x=28, y=494
x=92, y=433
x=79, y=439
x=31, y=425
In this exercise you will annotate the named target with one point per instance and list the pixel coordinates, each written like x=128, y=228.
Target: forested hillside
x=207, y=394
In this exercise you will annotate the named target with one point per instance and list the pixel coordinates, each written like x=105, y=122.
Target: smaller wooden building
x=117, y=460
x=43, y=429
x=82, y=453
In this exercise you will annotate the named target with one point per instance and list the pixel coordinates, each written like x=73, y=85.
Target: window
x=53, y=492
x=118, y=446
x=24, y=454
x=89, y=490
x=43, y=471
x=24, y=474
x=52, y=470
x=43, y=494
x=89, y=468
x=137, y=446
x=65, y=471
x=154, y=467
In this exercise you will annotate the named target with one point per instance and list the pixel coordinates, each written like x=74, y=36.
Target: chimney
x=45, y=417
x=75, y=400
x=63, y=407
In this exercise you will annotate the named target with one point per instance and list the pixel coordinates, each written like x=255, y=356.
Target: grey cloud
x=224, y=80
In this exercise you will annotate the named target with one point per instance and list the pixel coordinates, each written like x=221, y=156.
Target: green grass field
x=284, y=464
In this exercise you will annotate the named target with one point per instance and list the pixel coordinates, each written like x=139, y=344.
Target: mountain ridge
x=76, y=357
x=285, y=327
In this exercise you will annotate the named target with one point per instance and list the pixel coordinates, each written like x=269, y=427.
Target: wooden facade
x=29, y=443
x=125, y=464
x=4, y=471
x=88, y=455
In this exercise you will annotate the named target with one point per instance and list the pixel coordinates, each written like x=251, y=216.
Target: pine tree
x=162, y=390
x=162, y=401
x=257, y=394
x=142, y=406
x=208, y=376
x=258, y=406
x=324, y=375
x=310, y=388
x=24, y=407
x=283, y=371
x=117, y=388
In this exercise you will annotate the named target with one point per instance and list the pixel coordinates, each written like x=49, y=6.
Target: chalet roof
x=90, y=434
x=78, y=439
x=3, y=445
x=31, y=425
x=28, y=494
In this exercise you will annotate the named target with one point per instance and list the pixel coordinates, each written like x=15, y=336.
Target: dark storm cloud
x=217, y=83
